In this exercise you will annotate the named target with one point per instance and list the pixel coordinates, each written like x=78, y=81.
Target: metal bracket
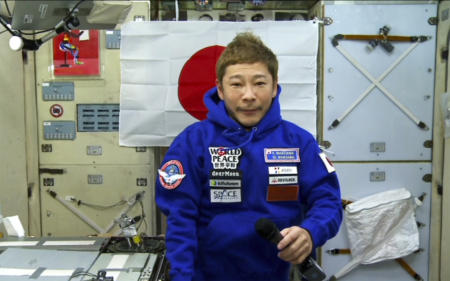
x=428, y=144
x=444, y=53
x=48, y=181
x=324, y=21
x=326, y=144
x=141, y=182
x=51, y=171
x=427, y=177
x=433, y=21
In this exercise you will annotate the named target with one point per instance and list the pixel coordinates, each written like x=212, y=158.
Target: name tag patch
x=225, y=195
x=281, y=155
x=283, y=180
x=283, y=170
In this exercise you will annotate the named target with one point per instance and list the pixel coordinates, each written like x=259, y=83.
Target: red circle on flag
x=198, y=76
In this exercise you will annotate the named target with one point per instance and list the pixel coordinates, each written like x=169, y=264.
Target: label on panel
x=59, y=130
x=56, y=91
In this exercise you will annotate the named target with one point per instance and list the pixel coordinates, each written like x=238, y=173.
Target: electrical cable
x=82, y=273
x=5, y=25
x=73, y=9
x=77, y=212
x=99, y=207
x=7, y=8
x=177, y=12
x=131, y=202
x=143, y=221
x=36, y=32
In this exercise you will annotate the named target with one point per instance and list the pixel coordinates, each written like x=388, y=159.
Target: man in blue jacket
x=241, y=164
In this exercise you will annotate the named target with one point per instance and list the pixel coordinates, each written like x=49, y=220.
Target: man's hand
x=295, y=246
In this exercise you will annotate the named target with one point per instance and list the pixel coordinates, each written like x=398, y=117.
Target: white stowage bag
x=381, y=227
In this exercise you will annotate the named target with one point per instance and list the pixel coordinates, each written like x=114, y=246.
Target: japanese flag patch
x=328, y=164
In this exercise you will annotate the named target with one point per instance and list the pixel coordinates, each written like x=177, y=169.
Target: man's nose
x=249, y=93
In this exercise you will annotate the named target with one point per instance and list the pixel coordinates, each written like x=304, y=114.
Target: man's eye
x=235, y=84
x=260, y=83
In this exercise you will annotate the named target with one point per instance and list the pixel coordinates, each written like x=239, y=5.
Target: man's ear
x=219, y=89
x=275, y=88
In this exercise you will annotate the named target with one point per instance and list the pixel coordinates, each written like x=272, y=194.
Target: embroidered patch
x=283, y=170
x=281, y=155
x=327, y=162
x=171, y=174
x=226, y=174
x=225, y=195
x=224, y=157
x=224, y=183
x=283, y=180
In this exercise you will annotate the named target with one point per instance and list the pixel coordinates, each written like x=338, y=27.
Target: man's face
x=247, y=90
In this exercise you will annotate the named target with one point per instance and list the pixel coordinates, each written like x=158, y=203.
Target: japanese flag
x=166, y=68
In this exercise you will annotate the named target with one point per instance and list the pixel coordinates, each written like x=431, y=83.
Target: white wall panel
x=13, y=172
x=377, y=119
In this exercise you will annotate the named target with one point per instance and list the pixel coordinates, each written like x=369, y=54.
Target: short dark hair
x=247, y=48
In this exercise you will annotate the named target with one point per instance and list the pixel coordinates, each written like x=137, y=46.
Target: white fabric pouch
x=381, y=227
x=383, y=224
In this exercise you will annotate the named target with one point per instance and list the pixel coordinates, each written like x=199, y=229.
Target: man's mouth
x=249, y=110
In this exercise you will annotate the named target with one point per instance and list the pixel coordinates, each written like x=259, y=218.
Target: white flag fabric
x=153, y=54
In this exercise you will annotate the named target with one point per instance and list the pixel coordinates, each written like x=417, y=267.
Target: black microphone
x=309, y=269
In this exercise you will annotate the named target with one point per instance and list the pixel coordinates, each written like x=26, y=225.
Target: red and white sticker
x=283, y=170
x=283, y=180
x=56, y=110
x=327, y=162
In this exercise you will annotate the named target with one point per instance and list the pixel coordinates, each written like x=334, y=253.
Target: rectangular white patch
x=283, y=170
x=327, y=163
x=224, y=183
x=225, y=195
x=117, y=262
x=18, y=243
x=283, y=180
x=57, y=272
x=69, y=243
